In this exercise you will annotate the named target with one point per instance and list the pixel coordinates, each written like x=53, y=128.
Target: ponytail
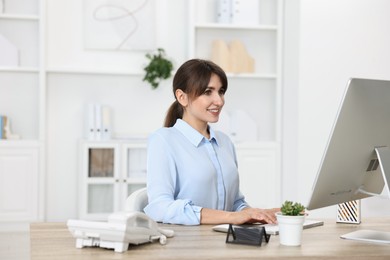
x=175, y=112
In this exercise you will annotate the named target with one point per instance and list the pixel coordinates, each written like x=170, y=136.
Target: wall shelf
x=19, y=17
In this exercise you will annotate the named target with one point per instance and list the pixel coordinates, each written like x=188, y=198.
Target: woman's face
x=207, y=107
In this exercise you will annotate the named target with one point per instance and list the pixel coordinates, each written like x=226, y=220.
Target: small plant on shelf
x=158, y=69
x=290, y=208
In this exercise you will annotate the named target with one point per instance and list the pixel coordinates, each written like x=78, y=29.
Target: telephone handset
x=121, y=229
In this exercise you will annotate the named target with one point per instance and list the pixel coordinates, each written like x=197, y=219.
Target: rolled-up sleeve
x=161, y=179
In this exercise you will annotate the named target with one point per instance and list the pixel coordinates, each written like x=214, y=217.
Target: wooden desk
x=54, y=241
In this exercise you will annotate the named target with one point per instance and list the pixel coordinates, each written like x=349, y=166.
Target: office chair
x=137, y=200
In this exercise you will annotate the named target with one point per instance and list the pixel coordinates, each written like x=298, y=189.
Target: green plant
x=158, y=69
x=290, y=208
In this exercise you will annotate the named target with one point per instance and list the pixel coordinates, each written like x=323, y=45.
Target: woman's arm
x=247, y=215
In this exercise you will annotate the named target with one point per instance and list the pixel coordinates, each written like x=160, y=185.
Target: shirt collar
x=193, y=135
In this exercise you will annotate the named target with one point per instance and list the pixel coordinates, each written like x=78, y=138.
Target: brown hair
x=192, y=78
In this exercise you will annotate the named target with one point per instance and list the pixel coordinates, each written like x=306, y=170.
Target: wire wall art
x=119, y=25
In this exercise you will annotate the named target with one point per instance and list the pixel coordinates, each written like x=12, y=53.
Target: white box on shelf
x=8, y=52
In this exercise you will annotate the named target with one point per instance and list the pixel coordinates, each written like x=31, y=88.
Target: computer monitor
x=356, y=162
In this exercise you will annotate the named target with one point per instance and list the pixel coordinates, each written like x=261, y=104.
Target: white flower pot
x=290, y=229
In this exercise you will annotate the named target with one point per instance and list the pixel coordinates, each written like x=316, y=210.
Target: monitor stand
x=375, y=236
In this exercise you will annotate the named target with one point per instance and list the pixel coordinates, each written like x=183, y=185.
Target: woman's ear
x=181, y=97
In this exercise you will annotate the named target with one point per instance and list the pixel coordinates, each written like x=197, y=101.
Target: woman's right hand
x=254, y=215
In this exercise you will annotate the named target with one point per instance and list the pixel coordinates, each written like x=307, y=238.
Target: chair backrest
x=137, y=200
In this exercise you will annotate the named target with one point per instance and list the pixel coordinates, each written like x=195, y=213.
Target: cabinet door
x=18, y=184
x=259, y=176
x=100, y=180
x=133, y=169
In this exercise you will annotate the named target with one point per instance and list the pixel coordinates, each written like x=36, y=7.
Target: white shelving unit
x=258, y=93
x=110, y=172
x=45, y=101
x=23, y=101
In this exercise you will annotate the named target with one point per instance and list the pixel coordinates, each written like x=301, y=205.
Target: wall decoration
x=119, y=24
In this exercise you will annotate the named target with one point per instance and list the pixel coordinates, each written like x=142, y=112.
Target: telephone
x=121, y=229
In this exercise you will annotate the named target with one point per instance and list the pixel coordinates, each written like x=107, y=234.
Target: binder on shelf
x=224, y=11
x=245, y=12
x=106, y=123
x=90, y=122
x=98, y=122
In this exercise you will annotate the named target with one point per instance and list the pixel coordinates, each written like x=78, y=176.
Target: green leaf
x=158, y=69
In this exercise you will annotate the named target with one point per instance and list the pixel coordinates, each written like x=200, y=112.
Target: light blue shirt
x=186, y=172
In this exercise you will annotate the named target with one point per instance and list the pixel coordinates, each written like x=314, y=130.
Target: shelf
x=221, y=26
x=94, y=71
x=4, y=143
x=19, y=69
x=19, y=17
x=252, y=75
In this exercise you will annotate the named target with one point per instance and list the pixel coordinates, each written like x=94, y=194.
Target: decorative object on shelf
x=290, y=221
x=8, y=52
x=243, y=12
x=158, y=69
x=98, y=122
x=349, y=212
x=5, y=129
x=233, y=58
x=120, y=25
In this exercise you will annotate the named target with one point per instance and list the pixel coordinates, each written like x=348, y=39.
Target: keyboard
x=271, y=229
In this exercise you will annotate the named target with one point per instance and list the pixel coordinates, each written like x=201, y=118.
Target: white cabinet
x=258, y=166
x=110, y=172
x=22, y=101
x=257, y=93
x=19, y=182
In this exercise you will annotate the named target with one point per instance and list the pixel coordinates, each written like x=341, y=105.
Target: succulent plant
x=290, y=208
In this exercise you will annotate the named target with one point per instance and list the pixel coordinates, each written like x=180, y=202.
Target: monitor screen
x=351, y=168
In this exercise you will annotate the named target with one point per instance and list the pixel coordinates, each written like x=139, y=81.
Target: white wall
x=67, y=93
x=338, y=39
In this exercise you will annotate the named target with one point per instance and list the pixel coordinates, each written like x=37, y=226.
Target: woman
x=192, y=170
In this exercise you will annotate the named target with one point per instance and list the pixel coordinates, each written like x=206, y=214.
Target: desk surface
x=54, y=241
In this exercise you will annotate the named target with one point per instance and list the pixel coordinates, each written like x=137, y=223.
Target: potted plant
x=290, y=220
x=158, y=68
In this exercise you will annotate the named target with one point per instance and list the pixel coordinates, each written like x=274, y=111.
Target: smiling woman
x=192, y=170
